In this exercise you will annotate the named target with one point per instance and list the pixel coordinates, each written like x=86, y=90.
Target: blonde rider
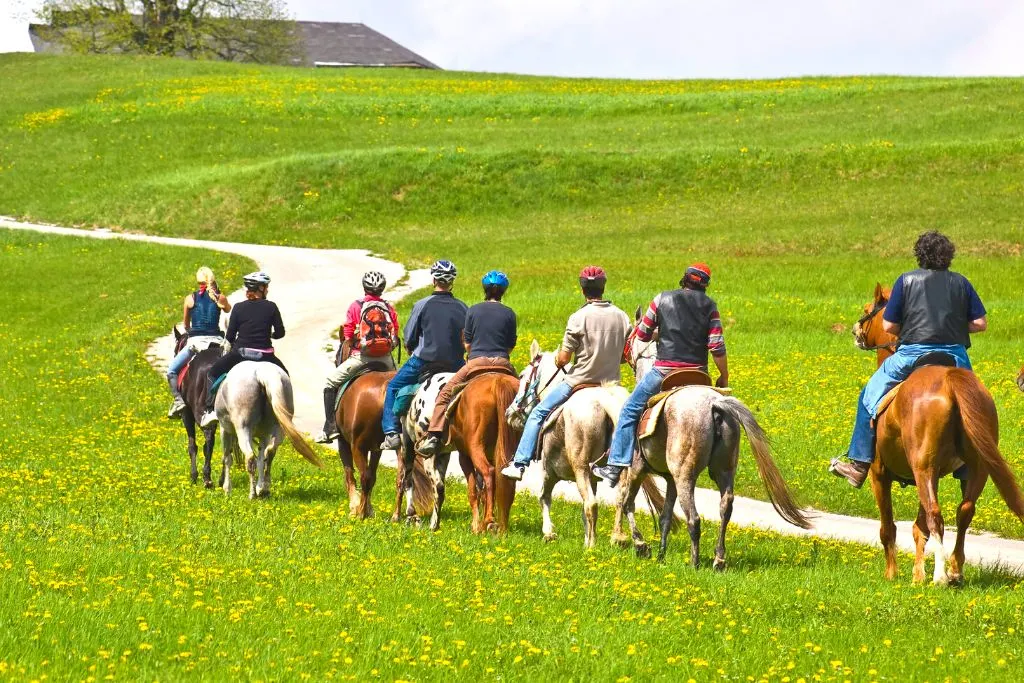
x=201, y=320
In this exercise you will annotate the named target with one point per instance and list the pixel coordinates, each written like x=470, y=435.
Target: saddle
x=940, y=358
x=473, y=374
x=673, y=382
x=373, y=366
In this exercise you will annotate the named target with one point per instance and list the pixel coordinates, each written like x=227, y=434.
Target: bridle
x=632, y=358
x=867, y=317
x=531, y=391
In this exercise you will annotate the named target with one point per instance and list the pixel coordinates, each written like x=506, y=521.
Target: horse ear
x=639, y=312
x=534, y=349
x=879, y=292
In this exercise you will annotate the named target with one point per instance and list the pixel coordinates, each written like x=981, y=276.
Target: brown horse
x=942, y=416
x=485, y=442
x=359, y=413
x=193, y=391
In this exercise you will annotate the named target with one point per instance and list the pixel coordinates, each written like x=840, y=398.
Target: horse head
x=640, y=355
x=179, y=339
x=534, y=381
x=868, y=334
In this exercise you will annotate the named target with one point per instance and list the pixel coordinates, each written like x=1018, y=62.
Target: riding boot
x=179, y=403
x=330, y=422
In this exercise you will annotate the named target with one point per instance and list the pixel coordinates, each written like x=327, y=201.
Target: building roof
x=323, y=43
x=336, y=44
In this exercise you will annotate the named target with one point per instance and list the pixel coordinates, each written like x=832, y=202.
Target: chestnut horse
x=485, y=442
x=942, y=416
x=358, y=417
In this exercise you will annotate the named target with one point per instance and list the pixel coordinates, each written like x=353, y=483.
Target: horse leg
x=472, y=492
x=227, y=441
x=920, y=541
x=440, y=470
x=209, y=440
x=547, y=488
x=635, y=473
x=367, y=482
x=970, y=489
x=639, y=544
x=672, y=490
x=928, y=493
x=345, y=455
x=189, y=421
x=410, y=461
x=881, y=486
x=585, y=484
x=399, y=479
x=725, y=489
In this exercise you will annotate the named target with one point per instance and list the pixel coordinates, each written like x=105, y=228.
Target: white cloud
x=692, y=38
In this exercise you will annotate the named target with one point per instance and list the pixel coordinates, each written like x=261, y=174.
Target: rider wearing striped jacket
x=688, y=328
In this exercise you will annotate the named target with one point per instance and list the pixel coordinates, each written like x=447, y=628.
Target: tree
x=232, y=30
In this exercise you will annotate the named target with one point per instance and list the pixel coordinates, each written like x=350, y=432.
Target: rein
x=879, y=307
x=531, y=382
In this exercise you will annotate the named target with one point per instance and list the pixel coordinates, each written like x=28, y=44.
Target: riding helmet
x=592, y=275
x=495, y=278
x=256, y=280
x=374, y=282
x=698, y=275
x=444, y=271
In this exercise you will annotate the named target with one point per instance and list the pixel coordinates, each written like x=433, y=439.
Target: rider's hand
x=722, y=382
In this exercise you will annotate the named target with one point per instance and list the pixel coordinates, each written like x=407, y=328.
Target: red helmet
x=592, y=275
x=698, y=274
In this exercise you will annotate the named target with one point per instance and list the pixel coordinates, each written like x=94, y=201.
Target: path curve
x=311, y=287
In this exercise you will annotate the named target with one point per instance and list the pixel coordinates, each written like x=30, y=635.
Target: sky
x=677, y=38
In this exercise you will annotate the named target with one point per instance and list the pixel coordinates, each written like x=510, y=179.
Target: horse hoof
x=643, y=551
x=620, y=541
x=942, y=580
x=719, y=565
x=956, y=580
x=265, y=493
x=413, y=520
x=492, y=527
x=550, y=538
x=208, y=484
x=194, y=478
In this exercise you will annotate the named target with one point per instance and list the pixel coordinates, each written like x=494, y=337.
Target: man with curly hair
x=930, y=309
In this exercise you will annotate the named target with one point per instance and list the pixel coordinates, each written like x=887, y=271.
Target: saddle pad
x=365, y=370
x=215, y=387
x=184, y=373
x=886, y=401
x=662, y=395
x=404, y=399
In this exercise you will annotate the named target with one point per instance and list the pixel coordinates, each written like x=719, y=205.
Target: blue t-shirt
x=894, y=308
x=490, y=330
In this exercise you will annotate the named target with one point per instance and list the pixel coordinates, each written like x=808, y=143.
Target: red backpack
x=376, y=330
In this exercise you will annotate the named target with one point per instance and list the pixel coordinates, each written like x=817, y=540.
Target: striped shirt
x=649, y=323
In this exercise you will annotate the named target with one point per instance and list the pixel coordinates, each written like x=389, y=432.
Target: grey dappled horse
x=699, y=429
x=255, y=404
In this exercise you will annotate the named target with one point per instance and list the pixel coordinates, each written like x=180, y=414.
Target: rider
x=489, y=337
x=370, y=333
x=596, y=334
x=433, y=336
x=253, y=324
x=688, y=327
x=930, y=309
x=201, y=320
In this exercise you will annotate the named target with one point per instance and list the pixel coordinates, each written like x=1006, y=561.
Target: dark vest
x=935, y=308
x=684, y=317
x=205, y=320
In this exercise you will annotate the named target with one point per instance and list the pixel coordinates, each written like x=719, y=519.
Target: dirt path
x=312, y=286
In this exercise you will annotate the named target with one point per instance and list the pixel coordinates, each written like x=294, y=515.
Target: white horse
x=698, y=429
x=576, y=436
x=255, y=402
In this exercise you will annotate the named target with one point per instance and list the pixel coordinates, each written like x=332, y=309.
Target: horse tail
x=778, y=492
x=981, y=426
x=278, y=389
x=422, y=488
x=505, y=390
x=656, y=501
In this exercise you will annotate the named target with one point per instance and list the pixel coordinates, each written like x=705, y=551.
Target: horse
x=941, y=417
x=193, y=391
x=483, y=439
x=578, y=437
x=699, y=429
x=255, y=402
x=358, y=418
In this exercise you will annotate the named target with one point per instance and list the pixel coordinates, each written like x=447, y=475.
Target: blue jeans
x=558, y=394
x=178, y=362
x=893, y=370
x=407, y=375
x=624, y=437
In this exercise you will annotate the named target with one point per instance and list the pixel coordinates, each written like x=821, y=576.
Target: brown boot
x=853, y=471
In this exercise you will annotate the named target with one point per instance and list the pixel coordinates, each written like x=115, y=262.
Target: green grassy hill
x=800, y=193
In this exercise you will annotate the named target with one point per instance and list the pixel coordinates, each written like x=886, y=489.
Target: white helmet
x=256, y=280
x=374, y=282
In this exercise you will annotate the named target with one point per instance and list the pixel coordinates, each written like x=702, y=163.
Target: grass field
x=800, y=193
x=112, y=566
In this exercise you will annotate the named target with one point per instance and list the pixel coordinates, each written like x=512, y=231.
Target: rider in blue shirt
x=930, y=309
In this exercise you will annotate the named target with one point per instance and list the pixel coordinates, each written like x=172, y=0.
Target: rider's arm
x=220, y=299
x=412, y=327
x=979, y=325
x=976, y=312
x=716, y=346
x=891, y=328
x=647, y=327
x=186, y=315
x=278, y=324
x=722, y=363
x=232, y=332
x=571, y=341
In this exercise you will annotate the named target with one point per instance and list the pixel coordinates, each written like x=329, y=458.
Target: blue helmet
x=444, y=271
x=495, y=278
